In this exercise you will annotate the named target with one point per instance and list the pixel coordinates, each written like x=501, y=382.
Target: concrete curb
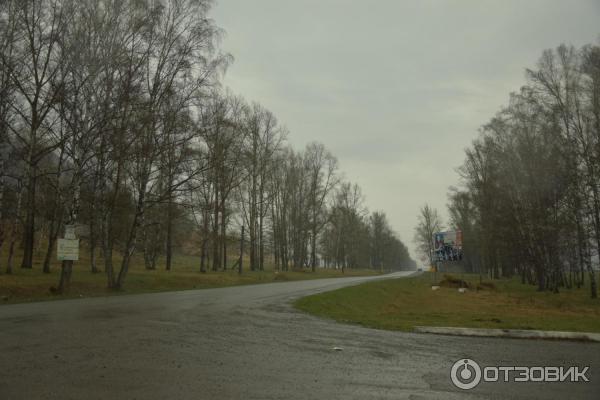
x=510, y=333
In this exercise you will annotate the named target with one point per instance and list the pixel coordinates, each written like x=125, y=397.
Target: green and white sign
x=67, y=249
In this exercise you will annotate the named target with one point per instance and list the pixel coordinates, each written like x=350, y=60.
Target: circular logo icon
x=465, y=374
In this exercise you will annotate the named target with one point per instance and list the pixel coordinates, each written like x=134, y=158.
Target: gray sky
x=395, y=89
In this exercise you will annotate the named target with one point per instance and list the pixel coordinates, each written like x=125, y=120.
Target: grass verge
x=402, y=304
x=25, y=285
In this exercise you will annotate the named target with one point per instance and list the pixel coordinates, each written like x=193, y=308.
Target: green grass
x=402, y=304
x=25, y=285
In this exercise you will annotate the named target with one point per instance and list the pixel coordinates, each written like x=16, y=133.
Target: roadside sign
x=67, y=249
x=82, y=230
x=70, y=232
x=447, y=246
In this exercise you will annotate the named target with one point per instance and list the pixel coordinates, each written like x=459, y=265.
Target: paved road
x=248, y=343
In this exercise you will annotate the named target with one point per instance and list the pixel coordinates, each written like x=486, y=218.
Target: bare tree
x=322, y=167
x=429, y=222
x=35, y=74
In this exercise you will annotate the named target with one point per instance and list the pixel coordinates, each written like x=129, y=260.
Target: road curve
x=247, y=342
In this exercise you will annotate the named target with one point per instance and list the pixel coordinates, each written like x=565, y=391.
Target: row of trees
x=529, y=199
x=112, y=119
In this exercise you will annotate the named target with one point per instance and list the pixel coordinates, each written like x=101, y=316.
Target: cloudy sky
x=396, y=89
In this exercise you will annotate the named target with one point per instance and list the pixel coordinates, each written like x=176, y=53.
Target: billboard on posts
x=447, y=246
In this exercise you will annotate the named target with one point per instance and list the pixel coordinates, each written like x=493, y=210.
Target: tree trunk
x=203, y=255
x=252, y=243
x=29, y=231
x=223, y=233
x=93, y=237
x=11, y=253
x=65, y=276
x=215, y=233
x=138, y=220
x=2, y=172
x=261, y=246
x=107, y=248
x=49, y=252
x=94, y=267
x=596, y=214
x=130, y=244
x=240, y=265
x=73, y=213
x=313, y=249
x=52, y=236
x=14, y=230
x=169, y=249
x=204, y=245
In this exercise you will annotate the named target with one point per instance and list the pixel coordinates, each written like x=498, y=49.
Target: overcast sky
x=395, y=89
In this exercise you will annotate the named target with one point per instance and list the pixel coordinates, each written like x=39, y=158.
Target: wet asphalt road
x=248, y=343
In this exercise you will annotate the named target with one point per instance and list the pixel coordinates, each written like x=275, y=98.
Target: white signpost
x=67, y=249
x=70, y=232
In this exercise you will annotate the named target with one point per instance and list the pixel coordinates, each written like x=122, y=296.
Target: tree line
x=113, y=119
x=529, y=198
